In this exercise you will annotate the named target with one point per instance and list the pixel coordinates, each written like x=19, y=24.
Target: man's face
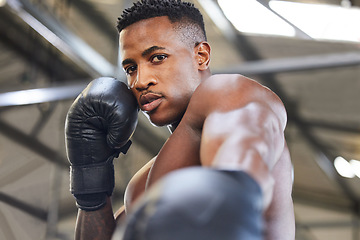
x=162, y=71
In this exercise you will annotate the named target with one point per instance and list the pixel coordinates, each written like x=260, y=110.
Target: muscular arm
x=246, y=139
x=243, y=124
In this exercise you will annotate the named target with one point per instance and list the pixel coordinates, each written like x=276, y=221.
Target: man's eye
x=158, y=58
x=129, y=70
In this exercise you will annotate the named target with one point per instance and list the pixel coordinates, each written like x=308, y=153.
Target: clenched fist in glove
x=98, y=127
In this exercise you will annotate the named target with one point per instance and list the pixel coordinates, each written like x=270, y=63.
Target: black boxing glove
x=98, y=127
x=197, y=203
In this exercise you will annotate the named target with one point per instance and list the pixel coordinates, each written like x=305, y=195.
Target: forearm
x=95, y=225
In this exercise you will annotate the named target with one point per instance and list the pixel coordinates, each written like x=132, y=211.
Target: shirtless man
x=220, y=123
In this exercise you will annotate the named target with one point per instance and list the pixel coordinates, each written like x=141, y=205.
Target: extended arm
x=242, y=127
x=244, y=130
x=248, y=139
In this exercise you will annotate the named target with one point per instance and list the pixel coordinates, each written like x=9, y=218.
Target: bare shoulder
x=227, y=92
x=228, y=83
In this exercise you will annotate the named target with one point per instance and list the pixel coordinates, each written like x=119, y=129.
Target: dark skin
x=221, y=121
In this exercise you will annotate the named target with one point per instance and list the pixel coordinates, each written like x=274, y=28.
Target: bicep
x=252, y=129
x=243, y=129
x=235, y=108
x=233, y=141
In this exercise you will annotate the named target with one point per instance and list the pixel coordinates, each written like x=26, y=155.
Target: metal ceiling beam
x=260, y=67
x=19, y=38
x=96, y=18
x=298, y=32
x=33, y=144
x=344, y=127
x=23, y=206
x=296, y=64
x=327, y=224
x=323, y=200
x=34, y=96
x=41, y=95
x=62, y=38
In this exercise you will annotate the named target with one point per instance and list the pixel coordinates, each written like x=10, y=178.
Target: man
x=221, y=122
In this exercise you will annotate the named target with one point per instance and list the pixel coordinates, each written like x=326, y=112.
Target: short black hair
x=185, y=14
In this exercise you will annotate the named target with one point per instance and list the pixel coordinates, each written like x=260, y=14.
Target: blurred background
x=307, y=51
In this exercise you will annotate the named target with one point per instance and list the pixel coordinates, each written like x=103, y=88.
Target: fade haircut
x=185, y=17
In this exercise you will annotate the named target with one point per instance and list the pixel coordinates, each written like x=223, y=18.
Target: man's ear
x=202, y=51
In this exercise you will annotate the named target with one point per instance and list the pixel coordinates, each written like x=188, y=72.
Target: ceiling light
x=252, y=17
x=321, y=21
x=2, y=3
x=345, y=3
x=343, y=167
x=355, y=165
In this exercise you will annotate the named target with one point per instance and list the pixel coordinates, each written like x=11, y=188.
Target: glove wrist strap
x=94, y=178
x=90, y=184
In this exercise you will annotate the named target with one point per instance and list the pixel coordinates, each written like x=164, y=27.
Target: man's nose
x=144, y=79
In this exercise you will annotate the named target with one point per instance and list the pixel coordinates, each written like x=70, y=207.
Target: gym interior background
x=307, y=51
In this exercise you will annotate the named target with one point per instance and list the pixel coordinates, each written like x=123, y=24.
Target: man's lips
x=150, y=101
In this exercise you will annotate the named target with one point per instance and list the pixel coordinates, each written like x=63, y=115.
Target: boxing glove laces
x=98, y=126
